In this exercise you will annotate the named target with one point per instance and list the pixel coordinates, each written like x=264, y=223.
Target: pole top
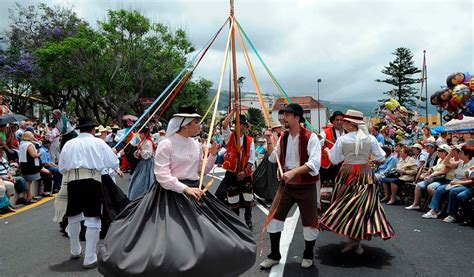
x=231, y=7
x=424, y=51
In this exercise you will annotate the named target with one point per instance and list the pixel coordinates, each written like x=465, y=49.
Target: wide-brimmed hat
x=444, y=147
x=109, y=130
x=276, y=124
x=354, y=116
x=28, y=136
x=334, y=114
x=86, y=121
x=187, y=111
x=116, y=127
x=295, y=109
x=417, y=145
x=101, y=129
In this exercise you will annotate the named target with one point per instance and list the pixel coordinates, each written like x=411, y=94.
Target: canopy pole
x=236, y=88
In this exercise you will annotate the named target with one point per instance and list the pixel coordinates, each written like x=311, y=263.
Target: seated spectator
x=406, y=169
x=7, y=175
x=460, y=184
x=29, y=162
x=419, y=155
x=50, y=166
x=436, y=175
x=389, y=164
x=6, y=192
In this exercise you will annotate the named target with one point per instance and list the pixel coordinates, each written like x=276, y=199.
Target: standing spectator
x=376, y=133
x=64, y=126
x=29, y=162
x=442, y=138
x=427, y=137
x=218, y=137
x=4, y=107
x=48, y=163
x=21, y=130
x=54, y=135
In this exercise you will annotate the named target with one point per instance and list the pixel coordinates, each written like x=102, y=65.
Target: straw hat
x=101, y=129
x=354, y=116
x=444, y=147
x=276, y=124
x=109, y=129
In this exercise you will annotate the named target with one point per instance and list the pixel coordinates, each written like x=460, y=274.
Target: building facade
x=310, y=107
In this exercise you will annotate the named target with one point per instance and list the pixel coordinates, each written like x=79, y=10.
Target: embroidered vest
x=330, y=136
x=231, y=155
x=304, y=136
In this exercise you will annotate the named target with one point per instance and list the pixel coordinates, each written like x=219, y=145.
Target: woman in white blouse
x=356, y=211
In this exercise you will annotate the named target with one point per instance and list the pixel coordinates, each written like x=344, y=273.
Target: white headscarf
x=176, y=123
x=361, y=136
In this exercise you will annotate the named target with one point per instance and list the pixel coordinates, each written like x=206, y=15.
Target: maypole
x=236, y=90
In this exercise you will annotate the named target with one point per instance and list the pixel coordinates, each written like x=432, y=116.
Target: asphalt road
x=31, y=245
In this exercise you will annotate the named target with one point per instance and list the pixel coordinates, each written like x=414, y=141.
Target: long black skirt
x=164, y=233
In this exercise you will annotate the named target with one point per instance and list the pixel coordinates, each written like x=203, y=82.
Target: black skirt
x=164, y=233
x=265, y=181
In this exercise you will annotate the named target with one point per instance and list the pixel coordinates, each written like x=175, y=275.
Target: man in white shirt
x=81, y=162
x=299, y=152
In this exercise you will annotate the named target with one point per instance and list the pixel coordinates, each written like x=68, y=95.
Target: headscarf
x=176, y=123
x=361, y=136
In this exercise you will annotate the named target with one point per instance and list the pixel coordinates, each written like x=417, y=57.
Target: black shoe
x=22, y=201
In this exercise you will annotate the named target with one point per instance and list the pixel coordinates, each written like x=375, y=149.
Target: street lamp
x=319, y=109
x=240, y=83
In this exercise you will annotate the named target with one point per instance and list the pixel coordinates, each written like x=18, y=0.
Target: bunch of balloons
x=457, y=98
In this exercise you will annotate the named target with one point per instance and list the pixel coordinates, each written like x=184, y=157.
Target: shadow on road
x=373, y=257
x=294, y=269
x=69, y=266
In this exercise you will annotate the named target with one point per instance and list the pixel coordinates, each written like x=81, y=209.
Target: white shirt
x=89, y=152
x=292, y=157
x=336, y=156
x=226, y=133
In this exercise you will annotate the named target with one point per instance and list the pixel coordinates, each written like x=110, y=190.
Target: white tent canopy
x=464, y=124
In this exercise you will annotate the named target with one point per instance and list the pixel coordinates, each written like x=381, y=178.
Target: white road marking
x=285, y=241
x=262, y=208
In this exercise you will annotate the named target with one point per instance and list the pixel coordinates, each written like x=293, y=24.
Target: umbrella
x=9, y=118
x=130, y=117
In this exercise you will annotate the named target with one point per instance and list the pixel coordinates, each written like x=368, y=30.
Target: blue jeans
x=452, y=198
x=57, y=177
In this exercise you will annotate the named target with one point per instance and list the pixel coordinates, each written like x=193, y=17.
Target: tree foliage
x=399, y=74
x=105, y=71
x=255, y=117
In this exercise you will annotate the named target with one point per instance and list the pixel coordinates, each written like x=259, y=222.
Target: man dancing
x=239, y=176
x=299, y=152
x=81, y=161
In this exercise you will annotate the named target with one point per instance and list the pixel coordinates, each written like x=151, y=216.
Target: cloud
x=345, y=43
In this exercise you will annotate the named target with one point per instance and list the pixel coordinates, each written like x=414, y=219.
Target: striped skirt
x=356, y=211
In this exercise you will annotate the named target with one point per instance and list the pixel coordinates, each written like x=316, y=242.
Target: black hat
x=243, y=120
x=86, y=121
x=334, y=114
x=187, y=111
x=295, y=109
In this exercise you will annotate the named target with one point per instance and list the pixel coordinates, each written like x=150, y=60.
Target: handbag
x=438, y=179
x=392, y=173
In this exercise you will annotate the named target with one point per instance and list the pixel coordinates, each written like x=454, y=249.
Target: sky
x=345, y=43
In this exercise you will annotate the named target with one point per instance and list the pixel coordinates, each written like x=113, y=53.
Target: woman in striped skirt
x=356, y=211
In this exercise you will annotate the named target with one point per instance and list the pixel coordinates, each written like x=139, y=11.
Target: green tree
x=400, y=72
x=255, y=117
x=106, y=72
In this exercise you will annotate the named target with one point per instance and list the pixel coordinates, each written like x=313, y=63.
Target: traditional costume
x=143, y=177
x=66, y=129
x=293, y=152
x=168, y=233
x=237, y=189
x=328, y=170
x=356, y=211
x=81, y=162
